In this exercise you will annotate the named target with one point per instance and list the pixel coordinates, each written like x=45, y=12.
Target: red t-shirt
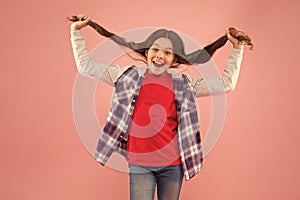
x=152, y=137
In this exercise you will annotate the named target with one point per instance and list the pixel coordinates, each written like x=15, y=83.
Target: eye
x=154, y=49
x=169, y=53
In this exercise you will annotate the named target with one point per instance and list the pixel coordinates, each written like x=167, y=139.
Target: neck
x=158, y=75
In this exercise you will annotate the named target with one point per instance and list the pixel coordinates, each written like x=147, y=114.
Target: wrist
x=74, y=27
x=238, y=46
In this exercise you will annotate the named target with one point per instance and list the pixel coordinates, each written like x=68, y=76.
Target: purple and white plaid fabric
x=127, y=88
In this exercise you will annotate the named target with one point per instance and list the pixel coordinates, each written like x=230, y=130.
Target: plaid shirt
x=127, y=89
x=128, y=81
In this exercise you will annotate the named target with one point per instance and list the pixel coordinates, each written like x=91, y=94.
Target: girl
x=162, y=148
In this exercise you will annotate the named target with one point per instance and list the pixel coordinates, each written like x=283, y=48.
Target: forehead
x=164, y=43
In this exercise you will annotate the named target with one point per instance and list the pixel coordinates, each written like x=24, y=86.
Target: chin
x=157, y=71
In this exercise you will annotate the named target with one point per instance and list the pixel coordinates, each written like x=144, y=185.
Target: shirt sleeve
x=226, y=83
x=88, y=67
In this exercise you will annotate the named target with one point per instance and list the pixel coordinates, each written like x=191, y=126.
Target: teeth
x=156, y=64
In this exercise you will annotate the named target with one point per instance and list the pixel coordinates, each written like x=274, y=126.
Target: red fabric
x=153, y=133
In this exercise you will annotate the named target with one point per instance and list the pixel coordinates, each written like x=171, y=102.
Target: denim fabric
x=144, y=180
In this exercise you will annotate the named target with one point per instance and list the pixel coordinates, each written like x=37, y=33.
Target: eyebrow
x=164, y=48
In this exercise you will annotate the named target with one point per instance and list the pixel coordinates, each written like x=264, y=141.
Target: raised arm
x=226, y=83
x=85, y=65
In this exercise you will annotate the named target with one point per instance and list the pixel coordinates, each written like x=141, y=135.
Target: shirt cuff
x=75, y=33
x=237, y=52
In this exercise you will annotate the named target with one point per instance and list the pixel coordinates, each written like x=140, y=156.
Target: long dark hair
x=197, y=57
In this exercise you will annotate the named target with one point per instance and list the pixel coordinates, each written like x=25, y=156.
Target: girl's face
x=160, y=56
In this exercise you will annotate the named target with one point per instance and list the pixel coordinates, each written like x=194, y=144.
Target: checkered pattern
x=127, y=88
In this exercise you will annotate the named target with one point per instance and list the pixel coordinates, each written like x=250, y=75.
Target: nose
x=160, y=54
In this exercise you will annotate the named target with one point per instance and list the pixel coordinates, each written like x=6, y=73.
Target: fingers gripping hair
x=197, y=57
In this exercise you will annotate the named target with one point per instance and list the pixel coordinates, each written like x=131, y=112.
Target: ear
x=146, y=53
x=174, y=63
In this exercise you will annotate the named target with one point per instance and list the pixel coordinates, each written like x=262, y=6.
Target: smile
x=158, y=65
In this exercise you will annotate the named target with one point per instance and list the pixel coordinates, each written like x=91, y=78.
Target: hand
x=236, y=44
x=83, y=22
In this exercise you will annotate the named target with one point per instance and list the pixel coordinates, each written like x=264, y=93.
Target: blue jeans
x=143, y=181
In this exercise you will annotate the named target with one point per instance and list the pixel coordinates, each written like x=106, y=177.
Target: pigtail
x=203, y=55
x=137, y=47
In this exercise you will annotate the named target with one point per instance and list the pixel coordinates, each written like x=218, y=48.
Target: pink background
x=42, y=157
